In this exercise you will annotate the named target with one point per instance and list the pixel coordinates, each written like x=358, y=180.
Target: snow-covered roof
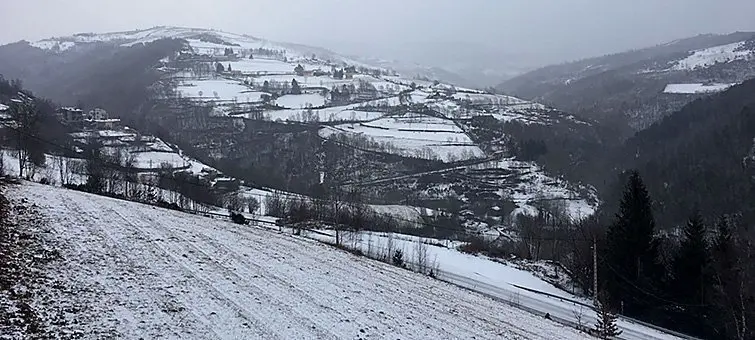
x=72, y=109
x=3, y=107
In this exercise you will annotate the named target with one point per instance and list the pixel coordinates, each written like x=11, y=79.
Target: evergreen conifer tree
x=295, y=88
x=606, y=327
x=632, y=274
x=691, y=263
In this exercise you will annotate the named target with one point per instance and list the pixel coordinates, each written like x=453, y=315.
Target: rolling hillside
x=250, y=107
x=129, y=270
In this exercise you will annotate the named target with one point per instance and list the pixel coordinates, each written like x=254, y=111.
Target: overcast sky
x=558, y=29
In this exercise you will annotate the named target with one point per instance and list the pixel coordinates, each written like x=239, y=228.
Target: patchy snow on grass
x=488, y=99
x=403, y=213
x=211, y=90
x=710, y=56
x=147, y=272
x=300, y=101
x=159, y=145
x=533, y=187
x=696, y=88
x=414, y=136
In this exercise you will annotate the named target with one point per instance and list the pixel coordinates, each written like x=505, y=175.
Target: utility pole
x=595, y=268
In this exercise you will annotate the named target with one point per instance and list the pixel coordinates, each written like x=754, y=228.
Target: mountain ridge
x=630, y=87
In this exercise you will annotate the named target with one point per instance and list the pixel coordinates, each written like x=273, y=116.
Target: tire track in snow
x=283, y=299
x=262, y=330
x=123, y=260
x=389, y=302
x=448, y=324
x=159, y=257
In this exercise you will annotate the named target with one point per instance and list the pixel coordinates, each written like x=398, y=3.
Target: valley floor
x=128, y=270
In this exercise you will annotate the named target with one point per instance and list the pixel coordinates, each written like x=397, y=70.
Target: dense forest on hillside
x=98, y=75
x=700, y=157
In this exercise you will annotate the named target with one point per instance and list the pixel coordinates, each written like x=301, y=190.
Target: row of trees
x=698, y=282
x=696, y=279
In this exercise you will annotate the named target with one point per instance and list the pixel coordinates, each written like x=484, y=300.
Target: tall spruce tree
x=733, y=293
x=631, y=273
x=691, y=265
x=295, y=88
x=692, y=284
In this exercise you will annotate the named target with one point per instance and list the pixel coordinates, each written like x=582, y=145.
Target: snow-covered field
x=299, y=101
x=482, y=274
x=713, y=55
x=695, y=88
x=415, y=136
x=262, y=66
x=218, y=90
x=145, y=272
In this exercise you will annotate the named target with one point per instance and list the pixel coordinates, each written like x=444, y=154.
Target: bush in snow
x=238, y=218
x=398, y=258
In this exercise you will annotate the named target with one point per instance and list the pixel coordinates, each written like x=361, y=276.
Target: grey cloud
x=540, y=30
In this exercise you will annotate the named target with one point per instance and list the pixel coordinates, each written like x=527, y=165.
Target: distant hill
x=297, y=118
x=639, y=87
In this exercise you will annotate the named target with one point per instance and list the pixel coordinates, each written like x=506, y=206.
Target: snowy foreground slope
x=155, y=273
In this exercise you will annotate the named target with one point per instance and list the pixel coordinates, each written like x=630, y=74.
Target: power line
x=650, y=294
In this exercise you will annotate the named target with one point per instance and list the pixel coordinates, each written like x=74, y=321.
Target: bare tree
x=94, y=166
x=2, y=162
x=421, y=256
x=25, y=113
x=337, y=202
x=253, y=205
x=62, y=169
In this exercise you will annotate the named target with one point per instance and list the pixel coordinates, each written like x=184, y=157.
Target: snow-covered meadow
x=414, y=135
x=713, y=55
x=499, y=279
x=217, y=90
x=696, y=88
x=145, y=272
x=300, y=101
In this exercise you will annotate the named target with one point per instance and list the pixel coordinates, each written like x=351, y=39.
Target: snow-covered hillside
x=250, y=80
x=203, y=41
x=696, y=88
x=719, y=54
x=480, y=273
x=133, y=271
x=599, y=83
